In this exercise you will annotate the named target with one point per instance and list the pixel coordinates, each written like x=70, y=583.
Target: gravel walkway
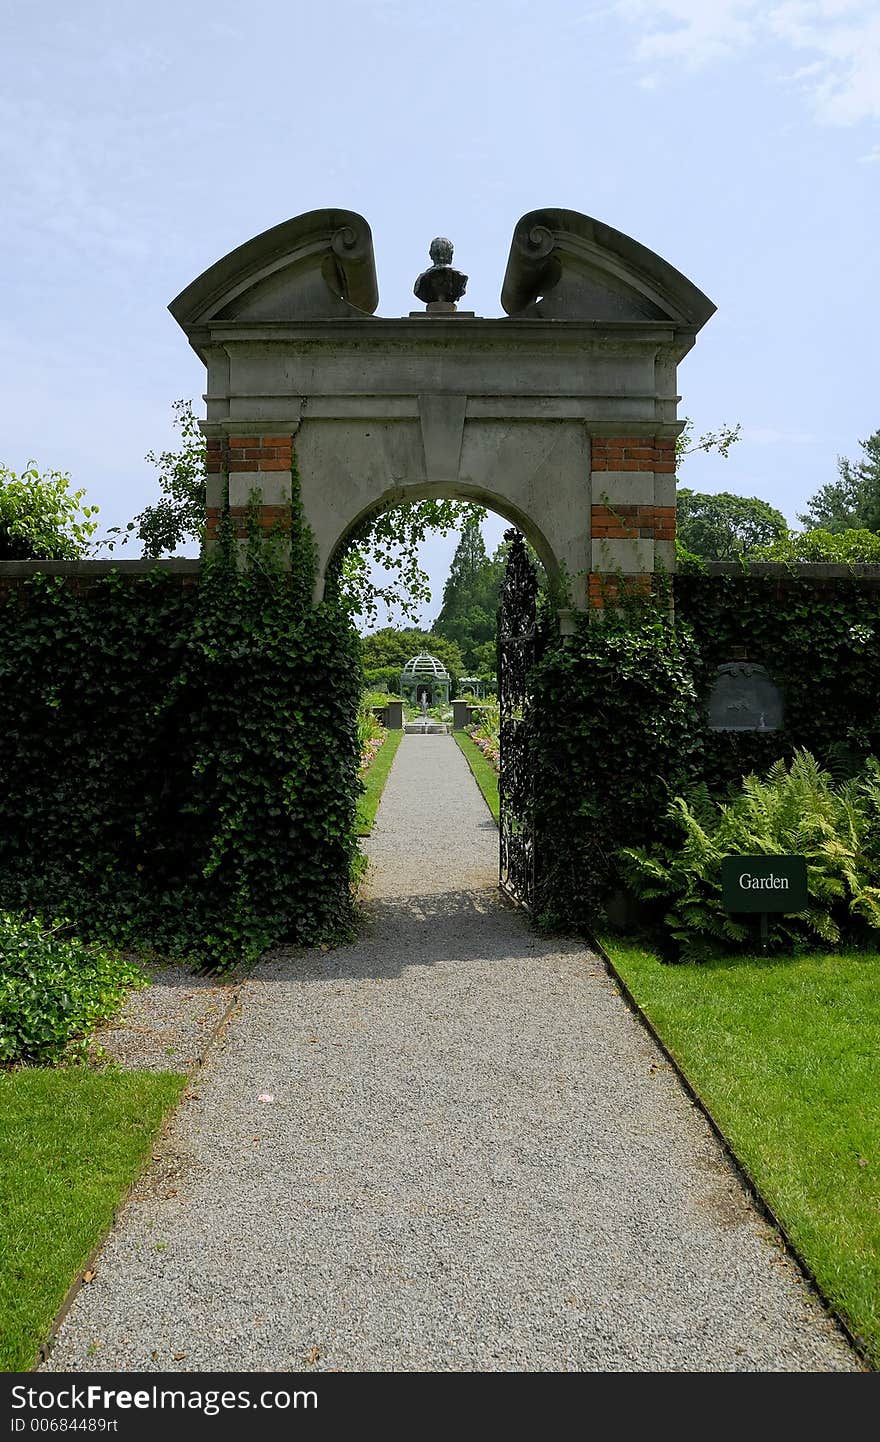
x=168, y=1025
x=449, y=1146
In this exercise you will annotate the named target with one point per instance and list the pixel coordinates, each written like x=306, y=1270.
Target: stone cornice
x=461, y=330
x=403, y=408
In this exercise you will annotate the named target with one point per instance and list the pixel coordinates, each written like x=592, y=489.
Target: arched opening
x=502, y=507
x=439, y=670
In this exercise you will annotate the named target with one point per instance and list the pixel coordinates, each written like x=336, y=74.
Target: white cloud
x=768, y=436
x=695, y=32
x=840, y=40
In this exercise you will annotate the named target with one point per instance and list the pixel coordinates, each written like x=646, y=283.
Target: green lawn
x=71, y=1141
x=485, y=775
x=374, y=781
x=785, y=1053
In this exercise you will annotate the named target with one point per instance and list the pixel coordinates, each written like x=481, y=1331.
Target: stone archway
x=500, y=505
x=560, y=415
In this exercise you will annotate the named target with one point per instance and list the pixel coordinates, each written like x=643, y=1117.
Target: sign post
x=761, y=884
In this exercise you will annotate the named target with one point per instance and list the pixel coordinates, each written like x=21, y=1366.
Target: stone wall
x=82, y=575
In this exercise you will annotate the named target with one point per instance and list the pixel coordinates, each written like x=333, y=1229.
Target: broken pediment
x=316, y=266
x=567, y=266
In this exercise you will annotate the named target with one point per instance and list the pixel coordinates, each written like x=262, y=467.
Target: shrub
x=796, y=810
x=376, y=698
x=856, y=547
x=486, y=730
x=40, y=517
x=385, y=679
x=488, y=719
x=371, y=732
x=53, y=990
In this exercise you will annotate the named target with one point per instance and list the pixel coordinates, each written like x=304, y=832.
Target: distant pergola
x=473, y=685
x=425, y=674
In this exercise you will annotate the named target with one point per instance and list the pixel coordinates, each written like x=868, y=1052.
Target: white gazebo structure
x=425, y=676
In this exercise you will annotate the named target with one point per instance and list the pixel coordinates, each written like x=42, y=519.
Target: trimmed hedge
x=180, y=765
x=614, y=737
x=818, y=636
x=621, y=713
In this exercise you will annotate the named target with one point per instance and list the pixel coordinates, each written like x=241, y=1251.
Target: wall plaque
x=744, y=697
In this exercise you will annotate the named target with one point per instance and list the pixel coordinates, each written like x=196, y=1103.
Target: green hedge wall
x=621, y=713
x=819, y=638
x=614, y=738
x=179, y=765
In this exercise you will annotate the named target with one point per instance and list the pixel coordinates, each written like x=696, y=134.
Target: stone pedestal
x=461, y=715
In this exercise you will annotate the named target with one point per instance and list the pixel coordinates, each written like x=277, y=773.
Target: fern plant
x=795, y=810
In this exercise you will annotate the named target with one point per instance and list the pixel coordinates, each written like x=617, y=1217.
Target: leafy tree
x=720, y=527
x=724, y=527
x=390, y=542
x=719, y=441
x=851, y=503
x=391, y=648
x=41, y=518
x=180, y=514
x=485, y=659
x=843, y=547
x=472, y=593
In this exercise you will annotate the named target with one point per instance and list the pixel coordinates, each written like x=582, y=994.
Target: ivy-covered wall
x=621, y=711
x=178, y=761
x=178, y=749
x=817, y=631
x=615, y=735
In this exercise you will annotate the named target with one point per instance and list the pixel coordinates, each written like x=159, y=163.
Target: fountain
x=424, y=681
x=427, y=726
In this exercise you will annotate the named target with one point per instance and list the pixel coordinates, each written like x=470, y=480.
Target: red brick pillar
x=245, y=471
x=632, y=516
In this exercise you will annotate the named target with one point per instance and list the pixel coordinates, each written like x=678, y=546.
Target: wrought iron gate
x=518, y=644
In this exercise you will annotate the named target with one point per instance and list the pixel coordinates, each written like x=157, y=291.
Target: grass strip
x=71, y=1142
x=374, y=781
x=485, y=774
x=785, y=1055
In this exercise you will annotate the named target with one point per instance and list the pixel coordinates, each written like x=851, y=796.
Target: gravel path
x=168, y=1025
x=449, y=1146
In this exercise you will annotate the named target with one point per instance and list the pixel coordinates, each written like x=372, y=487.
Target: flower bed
x=370, y=747
x=488, y=745
x=371, y=733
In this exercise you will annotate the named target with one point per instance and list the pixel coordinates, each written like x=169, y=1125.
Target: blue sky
x=740, y=140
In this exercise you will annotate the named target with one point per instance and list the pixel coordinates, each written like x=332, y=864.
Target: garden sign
x=763, y=884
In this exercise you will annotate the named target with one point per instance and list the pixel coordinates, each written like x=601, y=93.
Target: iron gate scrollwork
x=519, y=643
